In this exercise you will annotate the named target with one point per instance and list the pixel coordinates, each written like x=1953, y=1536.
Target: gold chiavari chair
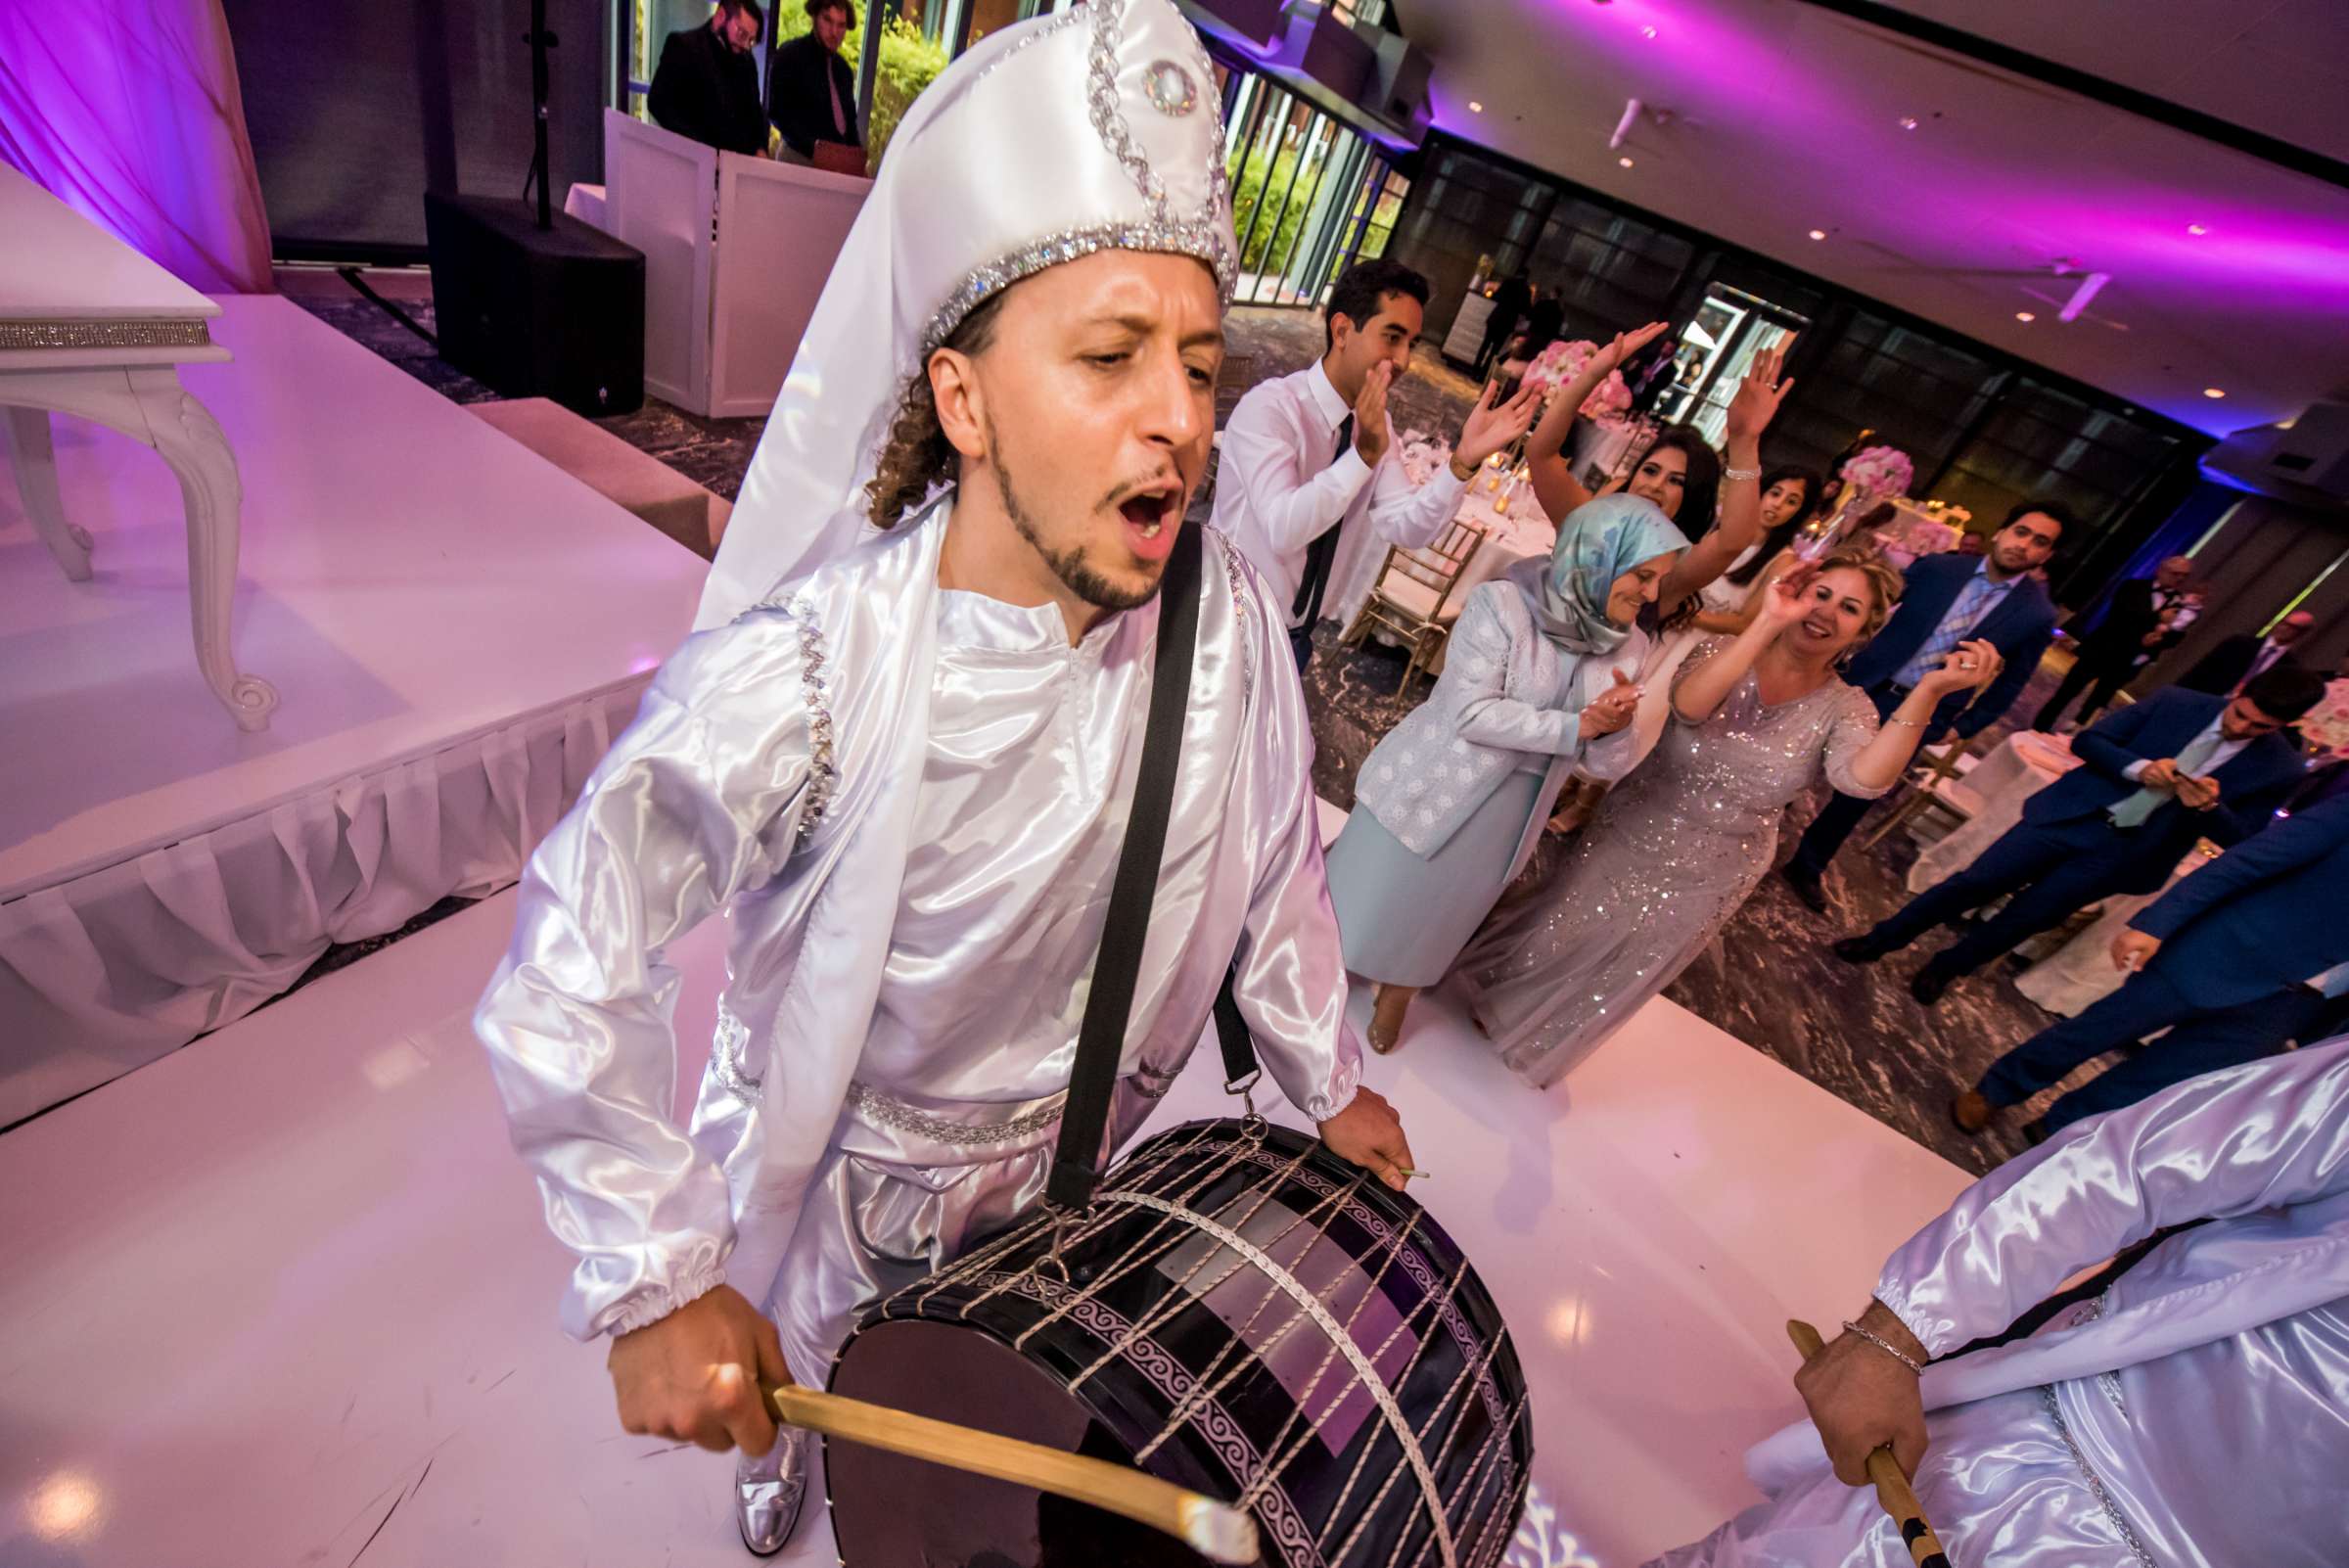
x=1936, y=784
x=1414, y=597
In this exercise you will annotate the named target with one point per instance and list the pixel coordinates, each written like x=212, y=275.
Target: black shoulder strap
x=1109, y=1005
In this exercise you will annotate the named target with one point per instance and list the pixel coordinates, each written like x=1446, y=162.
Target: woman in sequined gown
x=1757, y=719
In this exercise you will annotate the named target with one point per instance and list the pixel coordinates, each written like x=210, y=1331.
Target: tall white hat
x=1092, y=128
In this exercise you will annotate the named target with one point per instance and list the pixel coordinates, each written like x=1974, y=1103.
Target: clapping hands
x=1612, y=710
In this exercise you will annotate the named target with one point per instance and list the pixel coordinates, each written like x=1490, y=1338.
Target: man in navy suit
x=2243, y=955
x=2225, y=667
x=2178, y=767
x=1950, y=599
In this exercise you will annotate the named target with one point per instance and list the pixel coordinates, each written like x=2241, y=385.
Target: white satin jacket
x=771, y=776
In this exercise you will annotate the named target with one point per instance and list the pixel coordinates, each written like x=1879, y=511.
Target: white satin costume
x=2196, y=1414
x=907, y=801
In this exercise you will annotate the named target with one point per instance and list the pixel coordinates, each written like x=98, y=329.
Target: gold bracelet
x=1464, y=475
x=1912, y=723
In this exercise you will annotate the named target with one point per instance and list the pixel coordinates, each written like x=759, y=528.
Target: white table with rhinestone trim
x=91, y=327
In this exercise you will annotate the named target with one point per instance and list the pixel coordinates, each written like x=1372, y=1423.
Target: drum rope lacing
x=1373, y=1383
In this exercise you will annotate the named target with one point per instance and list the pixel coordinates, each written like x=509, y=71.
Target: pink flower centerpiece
x=1878, y=473
x=1560, y=362
x=2326, y=727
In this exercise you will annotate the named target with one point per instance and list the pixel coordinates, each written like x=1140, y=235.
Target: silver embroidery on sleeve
x=2095, y=1487
x=1239, y=606
x=726, y=1057
x=819, y=720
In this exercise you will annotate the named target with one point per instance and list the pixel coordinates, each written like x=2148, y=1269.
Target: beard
x=1069, y=564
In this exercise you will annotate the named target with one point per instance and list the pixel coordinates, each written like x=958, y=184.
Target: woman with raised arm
x=1674, y=851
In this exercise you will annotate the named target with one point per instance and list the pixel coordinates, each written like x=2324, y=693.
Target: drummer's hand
x=1368, y=1134
x=694, y=1375
x=1861, y=1398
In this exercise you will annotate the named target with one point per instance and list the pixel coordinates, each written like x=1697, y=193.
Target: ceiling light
x=2196, y=228
x=1818, y=234
x=1647, y=33
x=1475, y=108
x=1625, y=161
x=1907, y=123
x=2024, y=315
x=2214, y=391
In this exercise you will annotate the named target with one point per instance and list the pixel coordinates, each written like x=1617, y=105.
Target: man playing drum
x=899, y=759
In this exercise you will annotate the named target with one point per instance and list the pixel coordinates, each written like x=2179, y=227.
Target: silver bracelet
x=1912, y=723
x=1886, y=1346
x=1740, y=473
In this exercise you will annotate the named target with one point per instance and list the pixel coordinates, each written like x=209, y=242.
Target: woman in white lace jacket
x=1538, y=681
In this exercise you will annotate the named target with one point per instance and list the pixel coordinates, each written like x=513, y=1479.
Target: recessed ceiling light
x=1475, y=108
x=2024, y=315
x=2214, y=391
x=1647, y=33
x=1907, y=123
x=1818, y=234
x=1625, y=161
x=2196, y=228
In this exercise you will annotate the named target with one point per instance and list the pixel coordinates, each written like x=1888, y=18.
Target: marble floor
x=1770, y=980
x=287, y=1297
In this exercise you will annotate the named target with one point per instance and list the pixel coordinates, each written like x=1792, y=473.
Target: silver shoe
x=768, y=1489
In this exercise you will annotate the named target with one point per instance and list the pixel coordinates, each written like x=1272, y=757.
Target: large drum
x=1240, y=1313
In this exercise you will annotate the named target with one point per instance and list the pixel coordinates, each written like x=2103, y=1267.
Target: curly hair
x=1885, y=580
x=918, y=456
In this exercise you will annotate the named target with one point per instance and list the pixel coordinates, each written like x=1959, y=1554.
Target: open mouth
x=1816, y=627
x=1153, y=514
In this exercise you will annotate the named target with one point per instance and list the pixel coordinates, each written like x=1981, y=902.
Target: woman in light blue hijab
x=1536, y=683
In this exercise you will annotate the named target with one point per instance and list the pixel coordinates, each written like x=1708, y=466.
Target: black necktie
x=1324, y=549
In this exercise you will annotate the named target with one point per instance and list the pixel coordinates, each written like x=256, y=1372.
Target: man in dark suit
x=707, y=85
x=1950, y=599
x=1509, y=302
x=2243, y=955
x=2178, y=767
x=810, y=92
x=2145, y=618
x=2225, y=667
x=1544, y=320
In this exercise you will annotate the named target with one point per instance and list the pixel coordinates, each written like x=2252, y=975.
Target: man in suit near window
x=2234, y=961
x=2145, y=618
x=707, y=85
x=2179, y=766
x=2225, y=667
x=1950, y=599
x=810, y=92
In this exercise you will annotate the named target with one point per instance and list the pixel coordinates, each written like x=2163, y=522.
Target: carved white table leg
x=34, y=460
x=150, y=406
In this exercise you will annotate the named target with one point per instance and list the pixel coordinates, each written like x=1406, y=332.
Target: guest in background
x=1509, y=302
x=2145, y=618
x=2225, y=667
x=1790, y=496
x=1675, y=848
x=2159, y=774
x=810, y=92
x=2195, y=1397
x=2235, y=959
x=1309, y=458
x=707, y=85
x=1544, y=321
x=1950, y=599
x=1446, y=807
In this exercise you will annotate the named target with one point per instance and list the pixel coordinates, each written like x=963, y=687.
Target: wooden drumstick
x=1892, y=1485
x=1214, y=1530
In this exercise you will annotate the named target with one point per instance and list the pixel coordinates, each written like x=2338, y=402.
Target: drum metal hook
x=1059, y=1218
x=1252, y=1124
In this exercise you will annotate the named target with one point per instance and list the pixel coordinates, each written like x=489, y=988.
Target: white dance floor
x=285, y=1297
x=426, y=594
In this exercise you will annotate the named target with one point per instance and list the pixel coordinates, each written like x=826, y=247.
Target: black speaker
x=555, y=312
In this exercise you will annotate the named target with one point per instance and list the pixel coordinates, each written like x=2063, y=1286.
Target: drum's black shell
x=947, y=1352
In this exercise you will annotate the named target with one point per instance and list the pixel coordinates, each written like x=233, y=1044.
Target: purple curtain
x=131, y=116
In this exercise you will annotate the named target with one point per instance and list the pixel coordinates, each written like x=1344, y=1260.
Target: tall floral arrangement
x=1560, y=362
x=1879, y=472
x=2326, y=727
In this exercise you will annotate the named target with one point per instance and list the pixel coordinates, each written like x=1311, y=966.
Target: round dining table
x=2019, y=768
x=1517, y=535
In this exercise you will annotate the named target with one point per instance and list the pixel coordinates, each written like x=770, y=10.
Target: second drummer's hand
x=694, y=1375
x=1861, y=1398
x=1368, y=1134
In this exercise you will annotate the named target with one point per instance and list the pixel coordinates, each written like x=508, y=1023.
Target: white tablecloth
x=1601, y=446
x=2081, y=971
x=1517, y=535
x=2024, y=763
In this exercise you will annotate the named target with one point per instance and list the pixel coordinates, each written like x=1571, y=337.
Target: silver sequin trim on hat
x=875, y=1106
x=820, y=773
x=1171, y=90
x=1202, y=241
x=1060, y=23
x=726, y=1051
x=2137, y=1547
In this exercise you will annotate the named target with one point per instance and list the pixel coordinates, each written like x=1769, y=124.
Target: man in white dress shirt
x=1309, y=465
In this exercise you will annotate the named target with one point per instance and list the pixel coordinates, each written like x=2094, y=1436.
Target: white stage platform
x=286, y=1297
x=454, y=627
